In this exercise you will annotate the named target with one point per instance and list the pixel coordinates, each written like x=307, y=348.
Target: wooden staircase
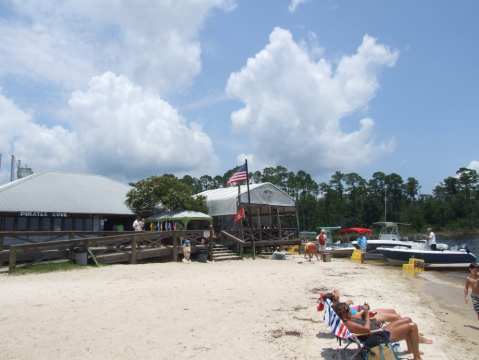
x=222, y=253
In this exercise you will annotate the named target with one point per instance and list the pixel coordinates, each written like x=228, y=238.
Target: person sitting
x=379, y=315
x=395, y=331
x=382, y=314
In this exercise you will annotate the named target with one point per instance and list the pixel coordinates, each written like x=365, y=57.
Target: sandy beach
x=247, y=309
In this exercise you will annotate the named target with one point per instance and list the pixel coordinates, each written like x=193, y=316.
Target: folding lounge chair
x=342, y=333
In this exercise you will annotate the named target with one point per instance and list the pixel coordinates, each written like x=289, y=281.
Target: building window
x=57, y=224
x=88, y=224
x=67, y=224
x=45, y=224
x=78, y=224
x=8, y=223
x=22, y=224
x=34, y=223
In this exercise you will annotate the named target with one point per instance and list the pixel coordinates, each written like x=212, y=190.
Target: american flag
x=240, y=175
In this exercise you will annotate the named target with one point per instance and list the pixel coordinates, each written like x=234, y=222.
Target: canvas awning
x=183, y=216
x=223, y=201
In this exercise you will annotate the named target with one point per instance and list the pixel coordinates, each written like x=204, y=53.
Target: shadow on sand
x=472, y=327
x=325, y=335
x=336, y=354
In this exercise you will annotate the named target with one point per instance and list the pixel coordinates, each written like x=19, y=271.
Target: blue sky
x=130, y=92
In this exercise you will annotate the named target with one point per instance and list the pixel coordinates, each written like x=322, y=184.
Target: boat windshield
x=389, y=230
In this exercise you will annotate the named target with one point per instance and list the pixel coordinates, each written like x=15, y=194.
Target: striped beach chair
x=342, y=334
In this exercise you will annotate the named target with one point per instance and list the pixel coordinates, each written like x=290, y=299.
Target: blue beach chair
x=342, y=334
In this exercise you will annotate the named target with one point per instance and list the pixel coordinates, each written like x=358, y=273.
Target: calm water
x=472, y=243
x=458, y=276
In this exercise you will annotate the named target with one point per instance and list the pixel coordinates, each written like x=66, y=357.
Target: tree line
x=347, y=199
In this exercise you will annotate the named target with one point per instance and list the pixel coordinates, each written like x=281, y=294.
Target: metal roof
x=65, y=192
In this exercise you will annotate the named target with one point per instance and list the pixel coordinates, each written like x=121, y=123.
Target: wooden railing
x=270, y=236
x=127, y=247
x=42, y=236
x=236, y=242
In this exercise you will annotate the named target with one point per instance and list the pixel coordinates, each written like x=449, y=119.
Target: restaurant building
x=271, y=210
x=58, y=201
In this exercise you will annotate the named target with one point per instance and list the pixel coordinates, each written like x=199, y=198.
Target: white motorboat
x=439, y=258
x=389, y=237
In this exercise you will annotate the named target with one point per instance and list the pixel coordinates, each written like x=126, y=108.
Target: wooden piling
x=175, y=246
x=12, y=260
x=134, y=250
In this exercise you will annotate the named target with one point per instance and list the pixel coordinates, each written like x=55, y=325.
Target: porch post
x=259, y=224
x=297, y=220
x=279, y=223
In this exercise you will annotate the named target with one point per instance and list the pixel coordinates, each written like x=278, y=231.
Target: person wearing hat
x=431, y=239
x=472, y=282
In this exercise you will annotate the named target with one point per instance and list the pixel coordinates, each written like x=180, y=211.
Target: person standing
x=322, y=240
x=136, y=225
x=363, y=242
x=431, y=239
x=472, y=282
x=186, y=251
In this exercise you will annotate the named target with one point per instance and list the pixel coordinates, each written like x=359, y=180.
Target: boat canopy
x=355, y=230
x=390, y=224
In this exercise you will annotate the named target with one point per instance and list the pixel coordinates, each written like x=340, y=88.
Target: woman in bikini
x=377, y=316
x=472, y=282
x=382, y=314
x=395, y=331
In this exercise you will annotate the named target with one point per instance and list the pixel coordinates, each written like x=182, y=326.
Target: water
x=471, y=242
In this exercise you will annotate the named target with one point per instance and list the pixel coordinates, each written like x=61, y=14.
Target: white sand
x=228, y=310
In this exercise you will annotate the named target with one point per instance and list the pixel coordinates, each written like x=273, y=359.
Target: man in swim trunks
x=472, y=282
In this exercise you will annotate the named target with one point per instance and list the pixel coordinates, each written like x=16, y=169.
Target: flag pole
x=249, y=212
x=238, y=207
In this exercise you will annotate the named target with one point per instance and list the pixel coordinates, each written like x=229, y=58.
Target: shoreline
x=445, y=295
x=245, y=309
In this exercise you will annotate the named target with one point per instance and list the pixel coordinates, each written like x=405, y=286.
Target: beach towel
x=475, y=302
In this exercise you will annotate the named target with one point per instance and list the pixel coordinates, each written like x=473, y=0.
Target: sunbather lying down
x=357, y=311
x=378, y=315
x=403, y=329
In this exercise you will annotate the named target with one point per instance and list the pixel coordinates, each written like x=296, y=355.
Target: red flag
x=239, y=215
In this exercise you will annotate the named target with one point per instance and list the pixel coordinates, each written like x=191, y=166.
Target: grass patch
x=48, y=267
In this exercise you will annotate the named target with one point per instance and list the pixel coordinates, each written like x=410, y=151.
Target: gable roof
x=65, y=192
x=223, y=201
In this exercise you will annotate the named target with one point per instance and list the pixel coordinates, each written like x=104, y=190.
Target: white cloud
x=117, y=128
x=474, y=164
x=295, y=106
x=293, y=5
x=155, y=43
x=49, y=148
x=254, y=164
x=129, y=130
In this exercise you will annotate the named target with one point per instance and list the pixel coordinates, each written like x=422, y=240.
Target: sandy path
x=228, y=310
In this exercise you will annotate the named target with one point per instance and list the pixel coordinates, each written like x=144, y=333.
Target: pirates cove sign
x=42, y=214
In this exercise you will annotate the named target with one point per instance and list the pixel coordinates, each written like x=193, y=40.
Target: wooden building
x=272, y=212
x=57, y=201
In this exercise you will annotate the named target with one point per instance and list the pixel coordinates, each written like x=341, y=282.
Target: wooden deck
x=129, y=247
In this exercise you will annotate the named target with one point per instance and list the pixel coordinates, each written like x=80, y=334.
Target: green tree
x=168, y=191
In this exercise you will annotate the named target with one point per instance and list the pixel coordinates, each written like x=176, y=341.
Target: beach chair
x=342, y=334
